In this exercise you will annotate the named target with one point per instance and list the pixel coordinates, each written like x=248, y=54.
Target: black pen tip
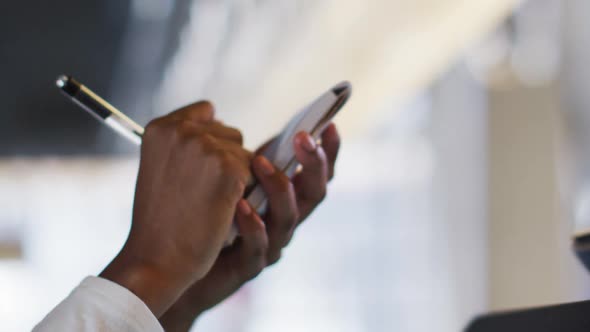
x=67, y=84
x=61, y=81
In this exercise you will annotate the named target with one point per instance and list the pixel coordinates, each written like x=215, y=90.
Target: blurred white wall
x=459, y=127
x=531, y=259
x=74, y=215
x=438, y=206
x=262, y=60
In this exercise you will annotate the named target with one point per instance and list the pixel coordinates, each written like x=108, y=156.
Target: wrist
x=180, y=317
x=154, y=285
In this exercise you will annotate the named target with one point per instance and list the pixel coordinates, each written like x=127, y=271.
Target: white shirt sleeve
x=98, y=305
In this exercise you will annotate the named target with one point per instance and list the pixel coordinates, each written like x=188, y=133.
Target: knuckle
x=206, y=144
x=228, y=164
x=290, y=220
x=252, y=270
x=235, y=134
x=154, y=128
x=254, y=265
x=259, y=253
x=259, y=266
x=199, y=111
x=284, y=184
x=251, y=273
x=206, y=105
x=239, y=137
x=235, y=188
x=320, y=194
x=231, y=174
x=274, y=257
x=233, y=177
x=227, y=160
x=261, y=249
x=249, y=156
x=259, y=261
x=234, y=167
x=205, y=108
x=185, y=130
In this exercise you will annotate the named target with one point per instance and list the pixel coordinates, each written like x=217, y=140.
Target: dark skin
x=192, y=175
x=259, y=246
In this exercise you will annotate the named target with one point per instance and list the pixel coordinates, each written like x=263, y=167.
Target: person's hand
x=290, y=202
x=192, y=175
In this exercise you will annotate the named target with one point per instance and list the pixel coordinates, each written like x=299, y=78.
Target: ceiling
x=259, y=61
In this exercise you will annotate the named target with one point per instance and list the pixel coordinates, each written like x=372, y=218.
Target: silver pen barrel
x=100, y=109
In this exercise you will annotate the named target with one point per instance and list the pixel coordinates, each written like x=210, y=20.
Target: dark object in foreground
x=572, y=317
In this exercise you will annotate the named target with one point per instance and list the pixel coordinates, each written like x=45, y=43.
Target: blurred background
x=463, y=175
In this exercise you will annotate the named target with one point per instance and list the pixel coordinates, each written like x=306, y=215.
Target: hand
x=290, y=202
x=192, y=174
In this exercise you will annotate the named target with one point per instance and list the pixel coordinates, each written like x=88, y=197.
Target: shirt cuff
x=118, y=301
x=100, y=305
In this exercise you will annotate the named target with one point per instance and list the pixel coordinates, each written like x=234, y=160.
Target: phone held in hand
x=313, y=119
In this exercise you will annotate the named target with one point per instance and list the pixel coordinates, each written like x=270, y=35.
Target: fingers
x=236, y=265
x=198, y=120
x=252, y=245
x=202, y=111
x=238, y=151
x=184, y=120
x=282, y=215
x=331, y=145
x=247, y=220
x=230, y=137
x=201, y=115
x=310, y=183
x=240, y=157
x=222, y=131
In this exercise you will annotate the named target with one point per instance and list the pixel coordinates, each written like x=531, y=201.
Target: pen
x=100, y=109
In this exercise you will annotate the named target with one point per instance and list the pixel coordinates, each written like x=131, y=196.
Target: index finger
x=202, y=111
x=331, y=146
